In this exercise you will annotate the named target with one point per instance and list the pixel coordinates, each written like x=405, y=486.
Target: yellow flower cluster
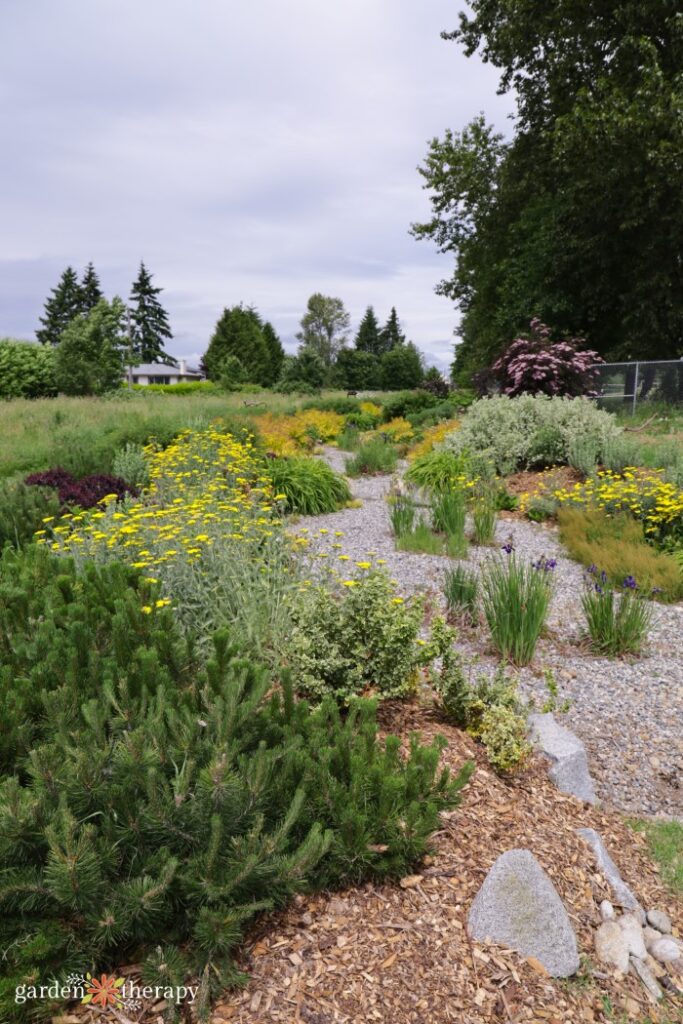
x=641, y=492
x=431, y=437
x=290, y=435
x=370, y=409
x=205, y=487
x=398, y=429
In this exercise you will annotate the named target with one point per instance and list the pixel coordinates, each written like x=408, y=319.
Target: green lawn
x=665, y=839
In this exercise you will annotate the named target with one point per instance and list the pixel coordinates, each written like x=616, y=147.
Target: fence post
x=635, y=390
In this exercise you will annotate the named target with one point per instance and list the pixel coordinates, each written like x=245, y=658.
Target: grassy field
x=665, y=839
x=82, y=434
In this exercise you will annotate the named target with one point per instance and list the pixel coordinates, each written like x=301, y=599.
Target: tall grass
x=484, y=513
x=373, y=456
x=309, y=485
x=461, y=590
x=516, y=598
x=615, y=624
x=617, y=544
x=448, y=516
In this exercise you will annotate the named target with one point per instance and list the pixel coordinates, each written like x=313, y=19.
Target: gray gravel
x=629, y=713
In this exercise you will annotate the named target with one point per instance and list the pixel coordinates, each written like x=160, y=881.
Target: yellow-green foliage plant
x=618, y=546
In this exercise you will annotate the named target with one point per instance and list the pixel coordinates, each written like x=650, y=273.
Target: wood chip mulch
x=400, y=953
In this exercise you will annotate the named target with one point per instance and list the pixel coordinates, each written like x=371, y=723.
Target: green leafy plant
x=615, y=624
x=583, y=454
x=22, y=510
x=130, y=465
x=376, y=455
x=356, y=637
x=541, y=508
x=310, y=486
x=516, y=598
x=438, y=470
x=461, y=589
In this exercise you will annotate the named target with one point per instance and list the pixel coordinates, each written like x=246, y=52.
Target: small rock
x=651, y=935
x=607, y=912
x=606, y=865
x=665, y=950
x=611, y=947
x=518, y=907
x=633, y=935
x=647, y=977
x=569, y=770
x=659, y=920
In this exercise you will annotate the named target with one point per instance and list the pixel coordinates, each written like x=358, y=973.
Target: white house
x=163, y=373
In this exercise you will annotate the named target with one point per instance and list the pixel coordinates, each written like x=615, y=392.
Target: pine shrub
x=163, y=806
x=22, y=510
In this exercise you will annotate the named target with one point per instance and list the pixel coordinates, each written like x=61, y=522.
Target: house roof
x=151, y=369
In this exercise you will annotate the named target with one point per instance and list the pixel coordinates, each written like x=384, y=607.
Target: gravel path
x=628, y=713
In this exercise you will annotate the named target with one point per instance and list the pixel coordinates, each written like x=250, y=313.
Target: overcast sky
x=248, y=151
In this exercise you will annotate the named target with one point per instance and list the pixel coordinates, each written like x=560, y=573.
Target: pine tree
x=60, y=308
x=90, y=289
x=150, y=326
x=367, y=339
x=239, y=332
x=276, y=353
x=391, y=334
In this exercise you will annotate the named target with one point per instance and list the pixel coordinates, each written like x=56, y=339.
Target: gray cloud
x=254, y=152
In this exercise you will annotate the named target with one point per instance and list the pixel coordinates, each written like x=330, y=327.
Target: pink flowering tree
x=539, y=366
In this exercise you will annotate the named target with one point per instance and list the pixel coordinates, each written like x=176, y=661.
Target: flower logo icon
x=104, y=991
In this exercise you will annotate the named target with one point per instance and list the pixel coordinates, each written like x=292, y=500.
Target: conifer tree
x=391, y=334
x=367, y=339
x=90, y=289
x=276, y=353
x=239, y=333
x=149, y=327
x=60, y=308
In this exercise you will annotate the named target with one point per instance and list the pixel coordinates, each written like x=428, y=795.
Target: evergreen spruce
x=90, y=289
x=276, y=353
x=367, y=339
x=149, y=321
x=60, y=308
x=391, y=335
x=239, y=332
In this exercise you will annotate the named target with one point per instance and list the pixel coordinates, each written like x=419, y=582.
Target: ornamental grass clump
x=516, y=597
x=615, y=623
x=375, y=455
x=484, y=513
x=402, y=512
x=308, y=486
x=448, y=517
x=461, y=589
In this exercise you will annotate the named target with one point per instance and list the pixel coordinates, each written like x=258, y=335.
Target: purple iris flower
x=630, y=583
x=508, y=548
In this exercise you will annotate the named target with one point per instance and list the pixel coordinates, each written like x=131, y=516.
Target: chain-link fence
x=626, y=385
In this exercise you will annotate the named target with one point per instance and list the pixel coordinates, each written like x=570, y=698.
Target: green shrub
x=619, y=452
x=461, y=589
x=403, y=403
x=444, y=410
x=164, y=819
x=184, y=387
x=26, y=370
x=130, y=465
x=376, y=455
x=339, y=404
x=350, y=439
x=310, y=486
x=516, y=598
x=438, y=470
x=532, y=430
x=583, y=454
x=618, y=545
x=503, y=733
x=615, y=624
x=355, y=637
x=22, y=510
x=541, y=507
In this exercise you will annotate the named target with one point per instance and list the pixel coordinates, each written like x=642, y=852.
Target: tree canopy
x=149, y=321
x=578, y=217
x=89, y=359
x=239, y=333
x=63, y=304
x=324, y=327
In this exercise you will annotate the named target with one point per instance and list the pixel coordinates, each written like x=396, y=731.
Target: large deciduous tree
x=324, y=327
x=89, y=359
x=149, y=321
x=578, y=217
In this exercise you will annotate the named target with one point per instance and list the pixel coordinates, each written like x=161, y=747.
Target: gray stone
x=518, y=907
x=607, y=912
x=665, y=949
x=647, y=977
x=622, y=894
x=651, y=935
x=633, y=934
x=611, y=947
x=659, y=920
x=569, y=770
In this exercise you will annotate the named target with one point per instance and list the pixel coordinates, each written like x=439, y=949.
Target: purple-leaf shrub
x=539, y=366
x=86, y=492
